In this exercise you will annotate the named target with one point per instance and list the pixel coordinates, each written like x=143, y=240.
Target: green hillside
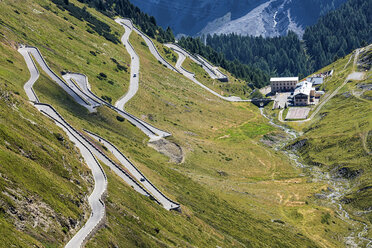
x=42, y=179
x=339, y=139
x=234, y=190
x=235, y=87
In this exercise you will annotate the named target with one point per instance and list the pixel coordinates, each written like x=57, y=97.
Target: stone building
x=283, y=84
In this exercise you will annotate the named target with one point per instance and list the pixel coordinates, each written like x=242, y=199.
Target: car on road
x=142, y=179
x=134, y=75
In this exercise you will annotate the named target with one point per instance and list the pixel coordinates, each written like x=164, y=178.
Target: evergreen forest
x=333, y=36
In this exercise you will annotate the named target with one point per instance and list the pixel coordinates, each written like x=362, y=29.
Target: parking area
x=297, y=113
x=281, y=100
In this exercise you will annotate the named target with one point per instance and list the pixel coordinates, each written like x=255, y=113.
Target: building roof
x=303, y=87
x=315, y=80
x=281, y=79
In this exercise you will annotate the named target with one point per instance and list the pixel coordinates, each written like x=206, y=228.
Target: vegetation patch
x=120, y=118
x=325, y=218
x=235, y=87
x=249, y=130
x=82, y=14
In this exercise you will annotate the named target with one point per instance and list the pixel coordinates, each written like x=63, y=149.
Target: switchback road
x=182, y=54
x=136, y=173
x=100, y=181
x=88, y=150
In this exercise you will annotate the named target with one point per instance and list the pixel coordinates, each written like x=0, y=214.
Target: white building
x=302, y=94
x=280, y=84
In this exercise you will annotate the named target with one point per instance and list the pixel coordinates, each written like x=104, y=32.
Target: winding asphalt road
x=134, y=65
x=44, y=66
x=136, y=173
x=128, y=23
x=182, y=54
x=88, y=150
x=181, y=58
x=100, y=185
x=149, y=130
x=77, y=86
x=82, y=83
x=73, y=85
x=212, y=71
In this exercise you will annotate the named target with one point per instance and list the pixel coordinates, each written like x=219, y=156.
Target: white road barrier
x=136, y=173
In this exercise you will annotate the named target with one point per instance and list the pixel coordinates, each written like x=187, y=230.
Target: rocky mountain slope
x=264, y=17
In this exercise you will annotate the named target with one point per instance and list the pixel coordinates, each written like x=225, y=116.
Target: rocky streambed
x=338, y=188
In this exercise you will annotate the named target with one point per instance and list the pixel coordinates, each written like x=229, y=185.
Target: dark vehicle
x=142, y=179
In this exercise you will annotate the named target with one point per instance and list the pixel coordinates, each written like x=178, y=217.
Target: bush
x=120, y=118
x=93, y=23
x=121, y=67
x=107, y=98
x=58, y=136
x=325, y=218
x=256, y=94
x=101, y=76
x=166, y=50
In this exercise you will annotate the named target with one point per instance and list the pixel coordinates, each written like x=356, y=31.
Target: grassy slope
x=234, y=87
x=42, y=180
x=339, y=134
x=211, y=151
x=339, y=140
x=166, y=53
x=68, y=43
x=48, y=92
x=230, y=186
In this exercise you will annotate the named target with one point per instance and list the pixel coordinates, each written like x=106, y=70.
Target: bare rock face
x=298, y=144
x=169, y=149
x=31, y=212
x=246, y=17
x=347, y=173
